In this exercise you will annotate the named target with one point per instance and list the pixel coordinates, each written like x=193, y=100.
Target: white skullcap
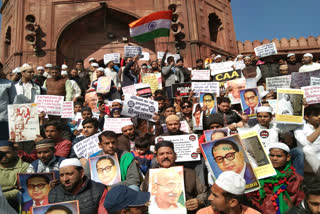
x=290, y=54
x=64, y=73
x=231, y=182
x=218, y=56
x=308, y=54
x=48, y=65
x=25, y=67
x=40, y=68
x=95, y=64
x=16, y=70
x=264, y=109
x=91, y=59
x=107, y=62
x=64, y=66
x=117, y=101
x=247, y=57
x=126, y=123
x=100, y=69
x=279, y=145
x=264, y=93
x=240, y=55
x=70, y=162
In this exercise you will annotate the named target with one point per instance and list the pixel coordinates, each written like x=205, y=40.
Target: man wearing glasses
x=107, y=171
x=229, y=158
x=252, y=100
x=38, y=189
x=209, y=102
x=186, y=113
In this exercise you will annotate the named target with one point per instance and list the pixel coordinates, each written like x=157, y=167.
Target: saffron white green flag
x=152, y=26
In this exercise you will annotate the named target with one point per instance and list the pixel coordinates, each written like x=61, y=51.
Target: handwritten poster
x=153, y=79
x=115, y=57
x=200, y=75
x=314, y=81
x=131, y=51
x=206, y=87
x=278, y=82
x=114, y=124
x=266, y=50
x=312, y=94
x=87, y=147
x=23, y=122
x=49, y=104
x=67, y=109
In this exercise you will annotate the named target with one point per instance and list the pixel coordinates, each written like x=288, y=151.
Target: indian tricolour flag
x=151, y=26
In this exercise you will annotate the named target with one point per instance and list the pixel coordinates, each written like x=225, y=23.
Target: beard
x=73, y=186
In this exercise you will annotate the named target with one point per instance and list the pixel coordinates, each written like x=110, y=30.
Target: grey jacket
x=7, y=96
x=172, y=77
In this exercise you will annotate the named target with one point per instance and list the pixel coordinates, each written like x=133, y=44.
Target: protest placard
x=134, y=106
x=161, y=180
x=200, y=75
x=29, y=194
x=290, y=106
x=131, y=89
x=87, y=147
x=23, y=122
x=68, y=207
x=160, y=55
x=197, y=119
x=312, y=94
x=251, y=82
x=209, y=101
x=50, y=104
x=143, y=89
x=278, y=82
x=230, y=148
x=234, y=87
x=314, y=81
x=131, y=51
x=104, y=84
x=300, y=79
x=92, y=100
x=266, y=50
x=210, y=134
x=146, y=56
x=257, y=155
x=105, y=169
x=222, y=67
x=114, y=57
x=185, y=146
x=67, y=109
x=181, y=89
x=207, y=87
x=273, y=104
x=250, y=101
x=153, y=80
x=114, y=124
x=226, y=76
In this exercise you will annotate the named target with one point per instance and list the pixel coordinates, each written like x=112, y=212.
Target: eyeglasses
x=170, y=185
x=229, y=156
x=39, y=186
x=250, y=98
x=107, y=169
x=183, y=107
x=207, y=101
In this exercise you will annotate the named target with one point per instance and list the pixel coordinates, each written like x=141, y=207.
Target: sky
x=268, y=19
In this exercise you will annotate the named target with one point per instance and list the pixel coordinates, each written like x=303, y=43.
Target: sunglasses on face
x=183, y=107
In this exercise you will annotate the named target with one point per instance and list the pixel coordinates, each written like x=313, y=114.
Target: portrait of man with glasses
x=250, y=101
x=37, y=187
x=107, y=170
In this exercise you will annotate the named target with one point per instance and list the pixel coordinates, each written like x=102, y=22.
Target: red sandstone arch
x=87, y=36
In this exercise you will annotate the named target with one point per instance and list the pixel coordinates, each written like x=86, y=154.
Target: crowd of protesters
x=293, y=153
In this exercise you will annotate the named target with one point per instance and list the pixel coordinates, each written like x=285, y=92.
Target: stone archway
x=95, y=34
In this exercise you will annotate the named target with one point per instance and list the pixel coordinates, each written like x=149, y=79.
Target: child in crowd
x=142, y=153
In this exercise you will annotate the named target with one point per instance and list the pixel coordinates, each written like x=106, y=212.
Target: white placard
x=131, y=51
x=134, y=106
x=278, y=82
x=146, y=56
x=200, y=75
x=115, y=57
x=185, y=146
x=266, y=50
x=67, y=109
x=23, y=122
x=161, y=53
x=314, y=81
x=312, y=94
x=131, y=89
x=206, y=87
x=114, y=124
x=87, y=147
x=222, y=67
x=50, y=104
